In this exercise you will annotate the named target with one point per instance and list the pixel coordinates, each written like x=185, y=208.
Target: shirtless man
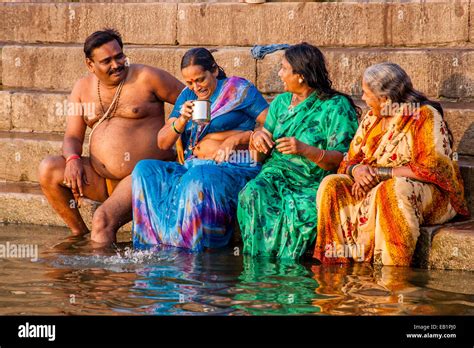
x=136, y=95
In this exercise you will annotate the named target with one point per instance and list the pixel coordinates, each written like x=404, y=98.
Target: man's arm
x=74, y=175
x=165, y=86
x=75, y=125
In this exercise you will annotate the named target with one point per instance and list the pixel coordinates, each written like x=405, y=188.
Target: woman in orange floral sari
x=397, y=175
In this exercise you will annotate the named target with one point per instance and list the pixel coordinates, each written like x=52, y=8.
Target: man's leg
x=115, y=212
x=51, y=173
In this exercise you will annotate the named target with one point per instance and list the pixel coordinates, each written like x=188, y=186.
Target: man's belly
x=118, y=144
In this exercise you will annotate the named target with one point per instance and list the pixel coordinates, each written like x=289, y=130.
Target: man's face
x=108, y=63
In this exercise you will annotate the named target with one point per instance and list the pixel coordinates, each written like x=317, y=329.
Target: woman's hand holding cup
x=187, y=110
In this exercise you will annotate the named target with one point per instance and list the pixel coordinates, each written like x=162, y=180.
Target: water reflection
x=73, y=278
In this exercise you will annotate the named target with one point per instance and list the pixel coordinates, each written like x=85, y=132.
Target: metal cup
x=201, y=111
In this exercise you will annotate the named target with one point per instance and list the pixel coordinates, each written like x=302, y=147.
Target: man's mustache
x=119, y=69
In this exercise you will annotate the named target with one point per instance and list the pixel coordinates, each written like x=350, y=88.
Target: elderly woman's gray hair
x=391, y=81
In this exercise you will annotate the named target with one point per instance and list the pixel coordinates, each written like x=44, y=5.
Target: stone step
x=452, y=247
x=211, y=23
x=24, y=61
x=21, y=153
x=449, y=246
x=25, y=203
x=437, y=72
x=45, y=111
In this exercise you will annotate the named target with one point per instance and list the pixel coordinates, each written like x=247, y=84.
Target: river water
x=70, y=278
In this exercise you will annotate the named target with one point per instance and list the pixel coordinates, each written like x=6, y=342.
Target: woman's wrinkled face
x=372, y=101
x=290, y=79
x=200, y=81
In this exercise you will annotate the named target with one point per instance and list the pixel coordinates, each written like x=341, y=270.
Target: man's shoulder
x=147, y=71
x=82, y=84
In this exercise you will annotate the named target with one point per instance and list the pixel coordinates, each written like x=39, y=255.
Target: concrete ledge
x=33, y=111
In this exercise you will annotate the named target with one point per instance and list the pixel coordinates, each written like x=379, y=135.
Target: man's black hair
x=100, y=38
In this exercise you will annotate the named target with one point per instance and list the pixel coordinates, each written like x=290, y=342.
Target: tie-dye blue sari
x=193, y=205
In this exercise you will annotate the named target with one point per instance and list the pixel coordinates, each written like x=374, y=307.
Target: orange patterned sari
x=383, y=227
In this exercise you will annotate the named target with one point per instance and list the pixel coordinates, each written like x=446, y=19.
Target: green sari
x=277, y=210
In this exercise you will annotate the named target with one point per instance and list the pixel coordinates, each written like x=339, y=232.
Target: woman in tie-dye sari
x=192, y=204
x=398, y=175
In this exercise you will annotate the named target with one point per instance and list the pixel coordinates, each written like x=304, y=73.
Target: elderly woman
x=312, y=126
x=397, y=175
x=192, y=205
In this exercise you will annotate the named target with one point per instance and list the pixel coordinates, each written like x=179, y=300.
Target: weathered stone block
x=453, y=247
x=43, y=66
x=436, y=72
x=460, y=118
x=43, y=112
x=1, y=47
x=466, y=166
x=23, y=152
x=5, y=110
x=429, y=23
x=37, y=66
x=25, y=203
x=323, y=24
x=72, y=23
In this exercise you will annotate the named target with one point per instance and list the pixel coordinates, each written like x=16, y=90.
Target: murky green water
x=70, y=278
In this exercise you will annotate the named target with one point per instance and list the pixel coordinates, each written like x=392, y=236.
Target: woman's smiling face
x=290, y=79
x=200, y=81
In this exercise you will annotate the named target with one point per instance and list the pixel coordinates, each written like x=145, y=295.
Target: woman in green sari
x=306, y=132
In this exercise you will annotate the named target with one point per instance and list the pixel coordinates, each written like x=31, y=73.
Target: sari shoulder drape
x=431, y=158
x=327, y=124
x=419, y=140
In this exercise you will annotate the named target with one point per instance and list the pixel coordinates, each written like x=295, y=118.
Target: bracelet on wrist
x=174, y=128
x=321, y=156
x=384, y=173
x=72, y=157
x=352, y=168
